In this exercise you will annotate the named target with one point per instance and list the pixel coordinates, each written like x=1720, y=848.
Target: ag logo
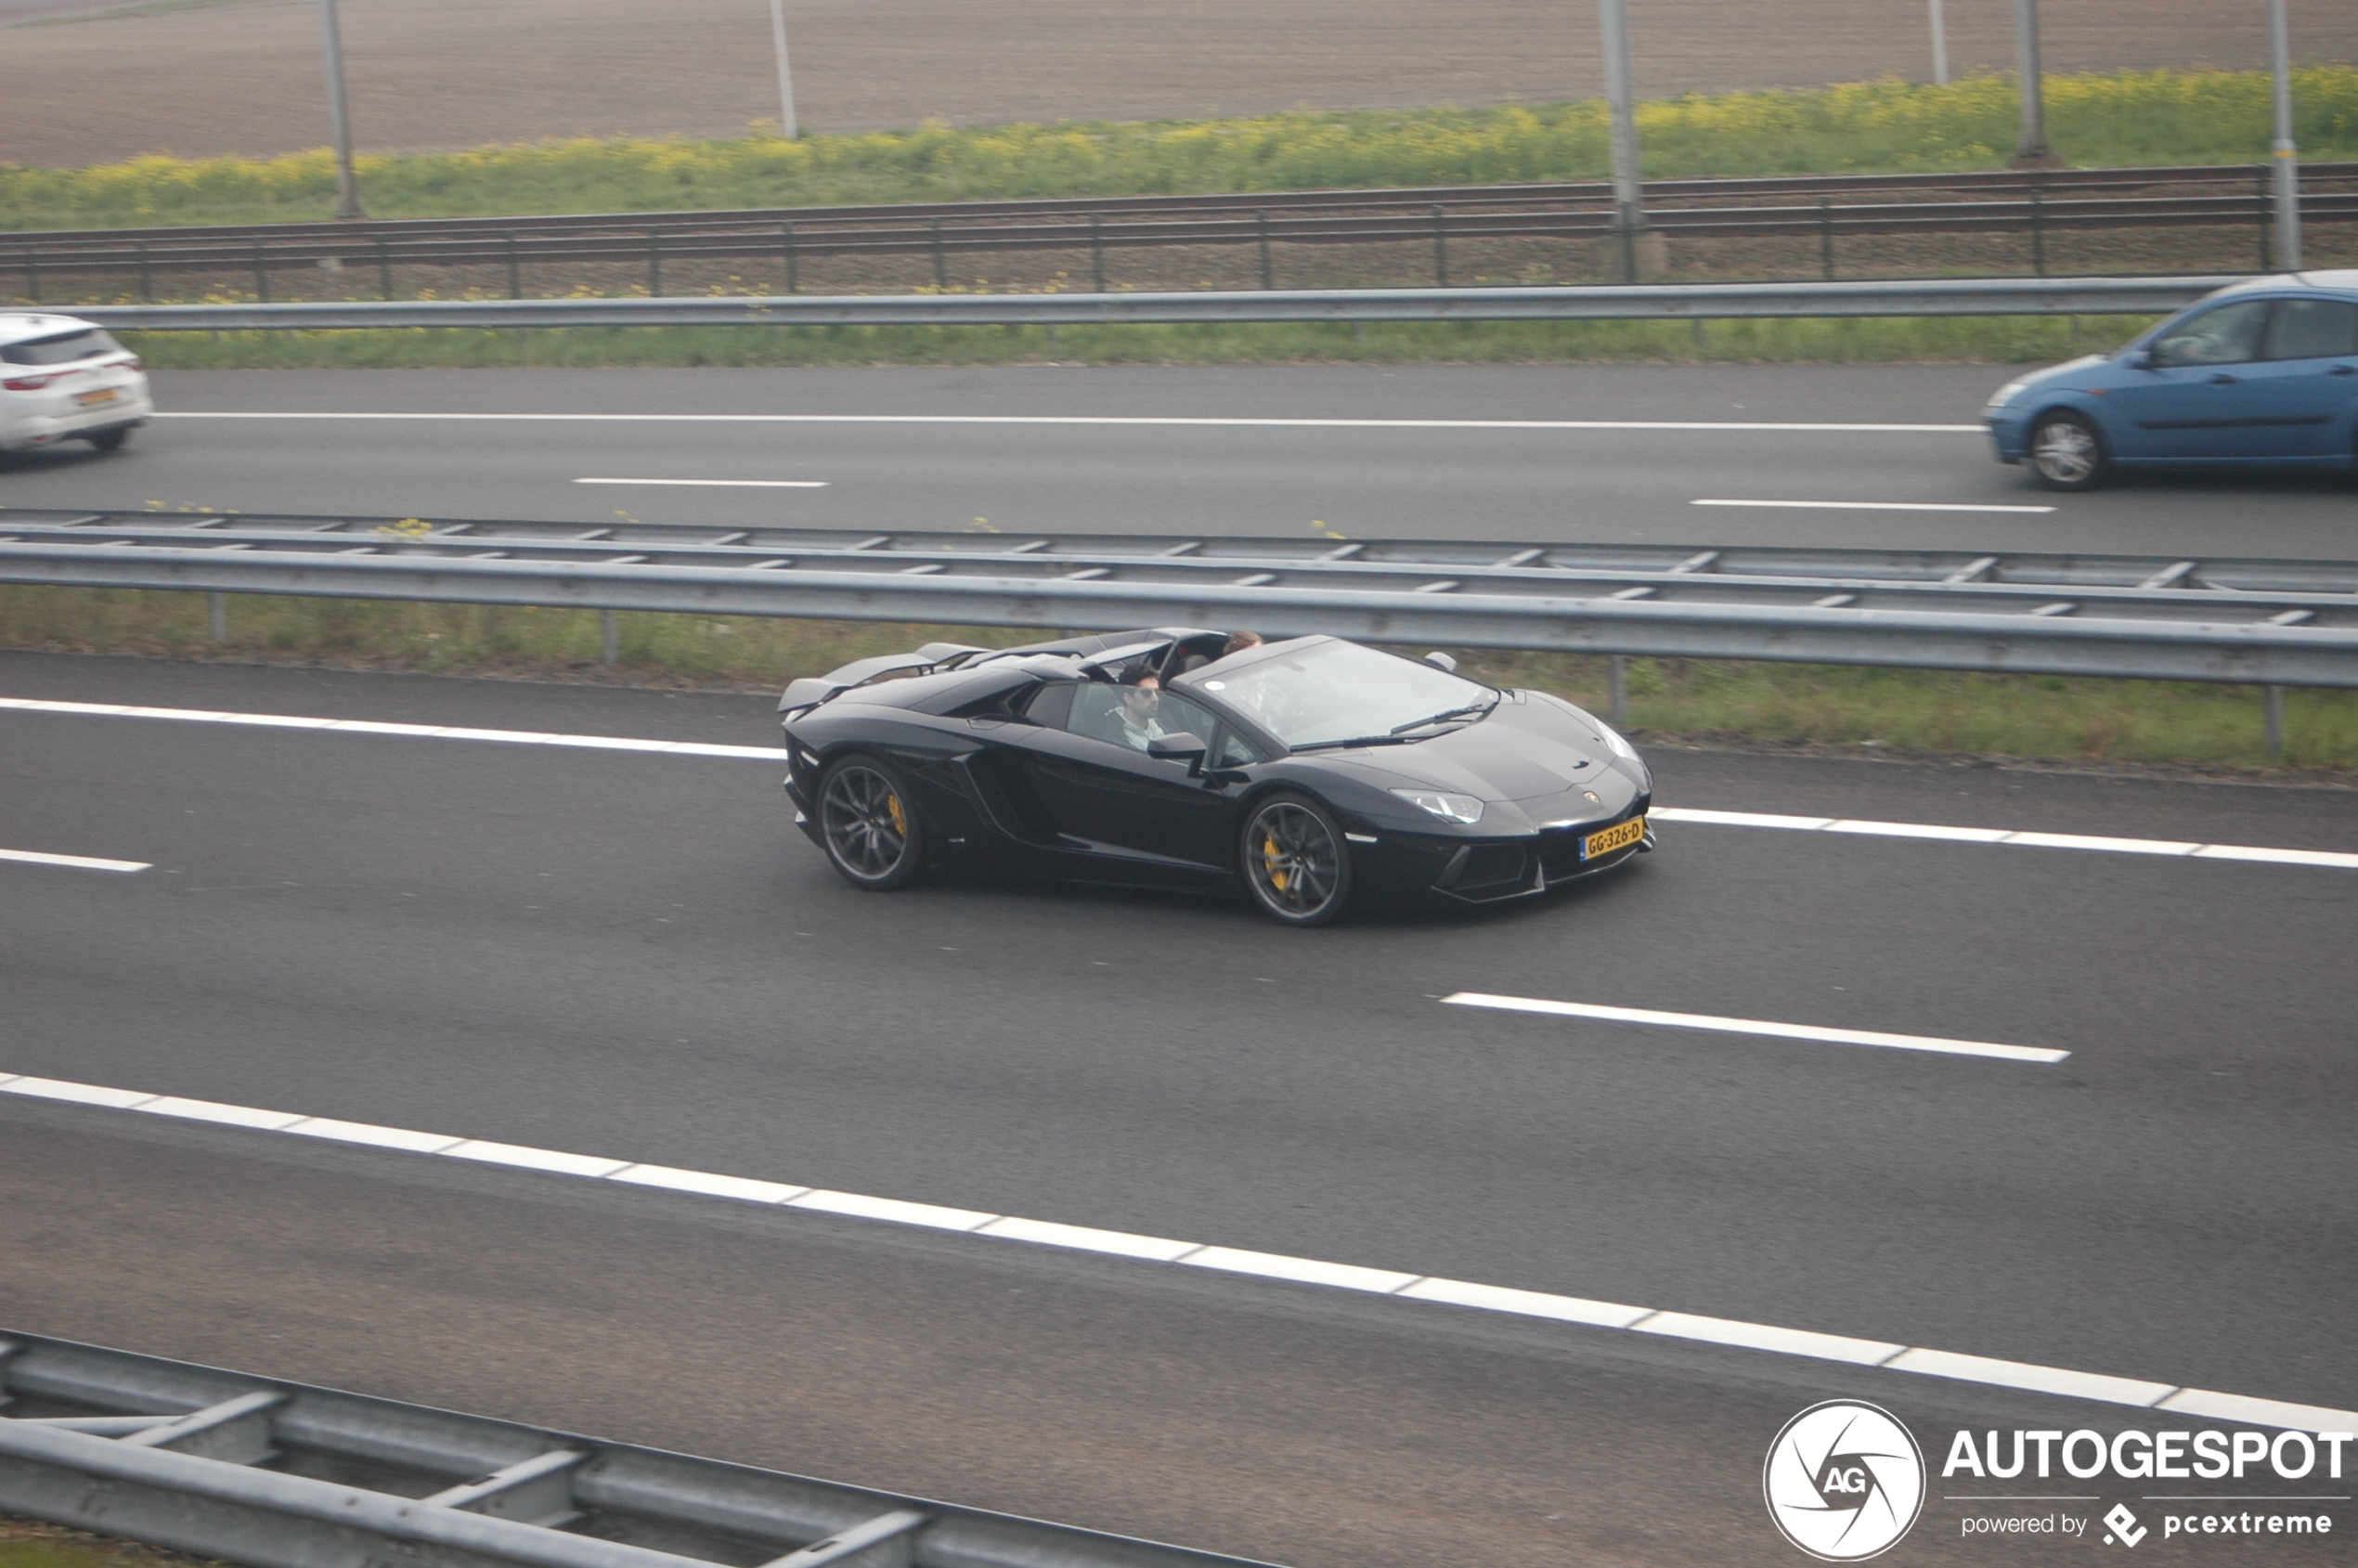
x=1845, y=1481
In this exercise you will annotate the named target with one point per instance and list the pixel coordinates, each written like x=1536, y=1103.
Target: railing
x=2270, y=622
x=2000, y=296
x=2035, y=205
x=274, y=1474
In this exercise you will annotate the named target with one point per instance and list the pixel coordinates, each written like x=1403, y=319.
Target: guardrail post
x=1097, y=252
x=384, y=268
x=609, y=638
x=2260, y=203
x=2038, y=233
x=2275, y=726
x=794, y=266
x=940, y=266
x=216, y=616
x=261, y=275
x=515, y=270
x=1261, y=220
x=1826, y=237
x=1617, y=688
x=33, y=275
x=147, y=290
x=1439, y=247
x=654, y=263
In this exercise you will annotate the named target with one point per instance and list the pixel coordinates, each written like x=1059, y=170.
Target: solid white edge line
x=1654, y=1018
x=1103, y=420
x=1770, y=1337
x=1876, y=506
x=722, y=484
x=2250, y=853
x=72, y=863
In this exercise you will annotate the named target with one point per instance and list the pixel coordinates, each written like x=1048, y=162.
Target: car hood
x=1524, y=751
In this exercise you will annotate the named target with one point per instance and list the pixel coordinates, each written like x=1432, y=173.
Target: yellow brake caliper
x=1269, y=858
x=899, y=818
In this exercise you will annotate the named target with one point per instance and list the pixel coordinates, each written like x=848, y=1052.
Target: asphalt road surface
x=897, y=448
x=634, y=956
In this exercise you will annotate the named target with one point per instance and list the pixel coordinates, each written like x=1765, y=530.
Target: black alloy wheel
x=870, y=824
x=108, y=440
x=2067, y=453
x=1294, y=860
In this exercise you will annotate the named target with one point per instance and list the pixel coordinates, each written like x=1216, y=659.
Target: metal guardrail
x=2006, y=296
x=2272, y=622
x=2034, y=203
x=274, y=1474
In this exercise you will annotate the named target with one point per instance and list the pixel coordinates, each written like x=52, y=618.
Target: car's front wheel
x=2067, y=453
x=1293, y=857
x=869, y=824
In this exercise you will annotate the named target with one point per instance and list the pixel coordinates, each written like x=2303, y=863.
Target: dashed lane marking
x=1113, y=420
x=74, y=862
x=722, y=484
x=1874, y=506
x=2025, y=837
x=1773, y=1339
x=1708, y=1024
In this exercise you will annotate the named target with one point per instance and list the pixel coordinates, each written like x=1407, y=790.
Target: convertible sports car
x=1302, y=774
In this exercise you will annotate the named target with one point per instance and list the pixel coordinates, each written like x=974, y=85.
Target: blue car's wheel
x=870, y=824
x=2067, y=453
x=1292, y=857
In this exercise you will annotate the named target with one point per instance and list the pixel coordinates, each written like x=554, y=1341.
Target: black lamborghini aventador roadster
x=1306, y=774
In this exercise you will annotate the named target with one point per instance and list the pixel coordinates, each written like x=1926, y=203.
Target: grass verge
x=2122, y=118
x=29, y=1543
x=2184, y=723
x=1992, y=339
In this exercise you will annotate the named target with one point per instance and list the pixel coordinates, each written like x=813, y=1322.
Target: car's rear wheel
x=2067, y=454
x=108, y=440
x=1293, y=857
x=869, y=823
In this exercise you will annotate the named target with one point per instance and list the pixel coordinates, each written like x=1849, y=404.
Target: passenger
x=1239, y=641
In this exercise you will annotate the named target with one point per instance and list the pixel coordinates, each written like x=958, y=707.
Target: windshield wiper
x=1355, y=740
x=1469, y=709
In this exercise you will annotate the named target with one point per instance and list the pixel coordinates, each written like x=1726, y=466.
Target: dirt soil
x=97, y=80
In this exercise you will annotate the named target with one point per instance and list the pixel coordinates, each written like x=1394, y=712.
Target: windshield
x=62, y=349
x=1325, y=693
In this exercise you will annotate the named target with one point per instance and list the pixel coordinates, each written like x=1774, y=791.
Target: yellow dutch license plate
x=1618, y=836
x=96, y=395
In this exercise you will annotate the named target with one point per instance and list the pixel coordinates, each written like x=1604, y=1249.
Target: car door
x=2306, y=384
x=2195, y=399
x=1101, y=789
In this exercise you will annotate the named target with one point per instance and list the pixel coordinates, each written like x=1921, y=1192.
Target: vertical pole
x=1826, y=238
x=785, y=77
x=2038, y=232
x=793, y=267
x=2287, y=160
x=1439, y=247
x=216, y=618
x=261, y=275
x=347, y=193
x=609, y=638
x=1096, y=252
x=1617, y=677
x=384, y=268
x=147, y=290
x=2031, y=151
x=1697, y=324
x=2276, y=695
x=654, y=263
x=1268, y=278
x=33, y=275
x=1627, y=201
x=515, y=270
x=1939, y=46
x=941, y=265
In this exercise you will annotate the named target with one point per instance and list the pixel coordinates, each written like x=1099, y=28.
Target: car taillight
x=34, y=383
x=130, y=363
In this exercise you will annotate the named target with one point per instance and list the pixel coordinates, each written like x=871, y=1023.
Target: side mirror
x=1181, y=748
x=1442, y=661
x=2139, y=359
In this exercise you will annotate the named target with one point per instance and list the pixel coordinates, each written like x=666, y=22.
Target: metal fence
x=1829, y=210
x=274, y=1474
x=1697, y=301
x=2270, y=622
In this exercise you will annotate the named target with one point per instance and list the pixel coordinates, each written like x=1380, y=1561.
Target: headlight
x=1620, y=747
x=2007, y=394
x=1456, y=808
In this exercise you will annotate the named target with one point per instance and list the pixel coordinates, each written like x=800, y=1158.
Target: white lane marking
x=2100, y=1386
x=2180, y=849
x=1116, y=419
x=1876, y=506
x=722, y=484
x=778, y=754
x=75, y=862
x=372, y=727
x=1657, y=1019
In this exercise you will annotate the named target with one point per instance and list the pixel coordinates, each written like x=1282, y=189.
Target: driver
x=1140, y=703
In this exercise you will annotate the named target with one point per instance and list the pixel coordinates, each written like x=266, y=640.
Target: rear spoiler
x=810, y=691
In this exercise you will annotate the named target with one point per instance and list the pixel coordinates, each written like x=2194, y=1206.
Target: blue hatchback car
x=2263, y=374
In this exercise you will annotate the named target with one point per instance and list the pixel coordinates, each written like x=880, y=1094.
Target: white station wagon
x=62, y=379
